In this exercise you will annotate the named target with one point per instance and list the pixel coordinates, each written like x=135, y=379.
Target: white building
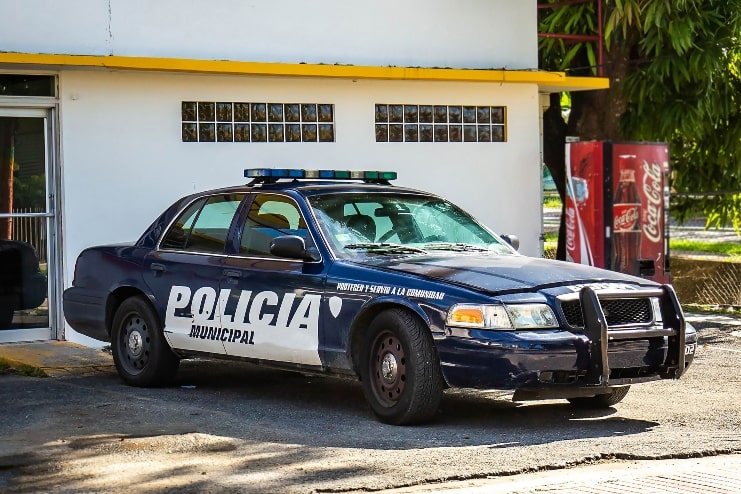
x=119, y=107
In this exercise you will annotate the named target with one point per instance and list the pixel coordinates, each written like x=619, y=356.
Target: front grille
x=618, y=312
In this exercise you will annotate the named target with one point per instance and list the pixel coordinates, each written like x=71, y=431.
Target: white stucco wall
x=124, y=160
x=432, y=33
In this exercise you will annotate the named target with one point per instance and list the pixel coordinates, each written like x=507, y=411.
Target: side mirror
x=512, y=240
x=293, y=247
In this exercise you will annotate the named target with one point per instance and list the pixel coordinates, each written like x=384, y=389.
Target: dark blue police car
x=339, y=272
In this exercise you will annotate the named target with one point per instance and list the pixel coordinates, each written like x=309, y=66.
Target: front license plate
x=689, y=349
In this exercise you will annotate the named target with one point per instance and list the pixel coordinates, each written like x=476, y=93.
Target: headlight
x=516, y=316
x=532, y=316
x=479, y=316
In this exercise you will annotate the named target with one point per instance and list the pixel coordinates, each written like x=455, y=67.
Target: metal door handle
x=157, y=267
x=230, y=273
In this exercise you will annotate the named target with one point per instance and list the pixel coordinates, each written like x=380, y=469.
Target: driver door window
x=270, y=216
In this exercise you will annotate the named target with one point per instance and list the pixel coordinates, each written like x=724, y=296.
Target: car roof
x=315, y=187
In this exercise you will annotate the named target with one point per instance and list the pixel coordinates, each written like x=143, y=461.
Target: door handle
x=232, y=274
x=157, y=267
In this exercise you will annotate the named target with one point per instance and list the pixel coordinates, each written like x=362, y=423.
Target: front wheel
x=614, y=397
x=140, y=352
x=400, y=371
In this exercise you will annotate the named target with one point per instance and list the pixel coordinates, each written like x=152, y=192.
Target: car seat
x=363, y=225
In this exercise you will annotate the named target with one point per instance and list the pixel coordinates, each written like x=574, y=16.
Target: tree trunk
x=554, y=139
x=594, y=115
x=7, y=162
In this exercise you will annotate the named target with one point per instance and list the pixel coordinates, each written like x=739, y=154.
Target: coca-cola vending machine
x=617, y=207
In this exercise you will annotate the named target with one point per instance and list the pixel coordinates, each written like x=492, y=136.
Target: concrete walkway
x=710, y=475
x=57, y=358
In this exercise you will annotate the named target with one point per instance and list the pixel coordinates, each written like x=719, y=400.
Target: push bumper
x=564, y=364
x=599, y=377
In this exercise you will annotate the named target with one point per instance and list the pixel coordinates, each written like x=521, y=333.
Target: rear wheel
x=401, y=375
x=140, y=352
x=614, y=397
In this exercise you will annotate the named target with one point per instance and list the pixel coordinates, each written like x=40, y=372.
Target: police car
x=342, y=273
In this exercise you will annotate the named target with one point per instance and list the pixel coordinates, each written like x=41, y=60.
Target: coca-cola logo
x=626, y=217
x=570, y=229
x=652, y=189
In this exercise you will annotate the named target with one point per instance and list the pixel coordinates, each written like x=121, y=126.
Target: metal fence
x=707, y=281
x=31, y=230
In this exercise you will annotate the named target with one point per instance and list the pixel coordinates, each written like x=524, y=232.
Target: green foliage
x=577, y=19
x=29, y=192
x=8, y=367
x=688, y=93
x=683, y=87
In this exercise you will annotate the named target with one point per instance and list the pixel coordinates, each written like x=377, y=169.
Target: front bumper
x=562, y=364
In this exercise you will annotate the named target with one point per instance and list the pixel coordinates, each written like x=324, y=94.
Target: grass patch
x=552, y=201
x=7, y=367
x=713, y=309
x=718, y=248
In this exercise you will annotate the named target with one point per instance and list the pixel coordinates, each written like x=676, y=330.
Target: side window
x=204, y=225
x=176, y=237
x=270, y=216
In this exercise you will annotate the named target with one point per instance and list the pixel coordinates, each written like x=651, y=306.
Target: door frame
x=47, y=108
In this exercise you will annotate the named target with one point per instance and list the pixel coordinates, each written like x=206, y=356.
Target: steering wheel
x=386, y=236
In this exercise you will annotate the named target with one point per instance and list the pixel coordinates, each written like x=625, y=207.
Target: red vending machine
x=617, y=207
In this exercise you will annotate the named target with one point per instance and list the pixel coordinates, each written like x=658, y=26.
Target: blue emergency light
x=274, y=174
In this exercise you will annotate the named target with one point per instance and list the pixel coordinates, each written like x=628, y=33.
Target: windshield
x=361, y=224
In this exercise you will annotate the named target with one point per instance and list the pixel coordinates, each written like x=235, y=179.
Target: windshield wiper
x=455, y=246
x=384, y=247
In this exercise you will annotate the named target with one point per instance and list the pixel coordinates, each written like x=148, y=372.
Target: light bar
x=277, y=173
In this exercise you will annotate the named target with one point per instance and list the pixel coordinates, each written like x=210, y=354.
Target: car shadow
x=243, y=418
x=285, y=402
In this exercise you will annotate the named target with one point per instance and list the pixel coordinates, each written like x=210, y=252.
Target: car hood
x=499, y=274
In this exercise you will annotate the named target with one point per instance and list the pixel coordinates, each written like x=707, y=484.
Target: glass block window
x=440, y=123
x=217, y=121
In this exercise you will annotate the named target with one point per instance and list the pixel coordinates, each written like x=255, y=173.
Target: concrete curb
x=57, y=358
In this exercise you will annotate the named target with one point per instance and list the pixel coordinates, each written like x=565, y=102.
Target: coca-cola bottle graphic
x=626, y=228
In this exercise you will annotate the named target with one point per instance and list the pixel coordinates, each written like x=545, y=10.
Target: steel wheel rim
x=388, y=369
x=136, y=342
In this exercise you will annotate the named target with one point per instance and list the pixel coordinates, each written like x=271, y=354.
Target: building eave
x=547, y=82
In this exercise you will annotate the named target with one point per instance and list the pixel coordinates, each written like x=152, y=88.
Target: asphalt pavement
x=715, y=474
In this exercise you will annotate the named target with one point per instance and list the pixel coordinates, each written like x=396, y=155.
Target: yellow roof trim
x=546, y=81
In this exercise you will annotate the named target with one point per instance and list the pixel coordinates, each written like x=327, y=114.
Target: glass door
x=27, y=251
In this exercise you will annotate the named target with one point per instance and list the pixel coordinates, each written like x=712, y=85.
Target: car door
x=184, y=272
x=274, y=309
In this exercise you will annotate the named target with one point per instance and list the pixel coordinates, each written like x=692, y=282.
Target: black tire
x=140, y=352
x=614, y=397
x=400, y=370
